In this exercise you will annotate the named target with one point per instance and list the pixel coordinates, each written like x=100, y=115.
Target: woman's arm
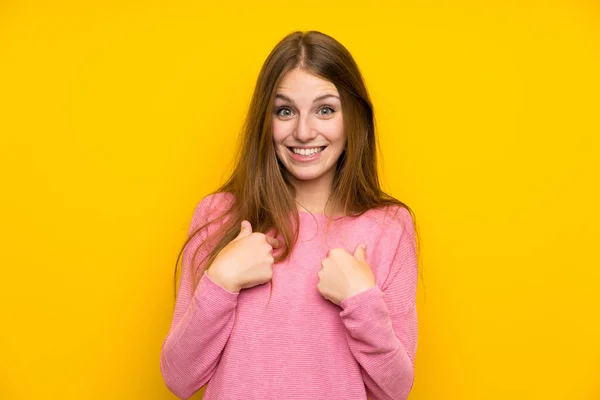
x=202, y=321
x=382, y=323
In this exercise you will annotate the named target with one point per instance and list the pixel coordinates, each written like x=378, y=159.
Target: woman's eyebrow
x=284, y=97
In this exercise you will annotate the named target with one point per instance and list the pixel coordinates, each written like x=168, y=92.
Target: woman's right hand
x=245, y=262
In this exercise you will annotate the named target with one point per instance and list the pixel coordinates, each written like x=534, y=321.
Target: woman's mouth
x=306, y=154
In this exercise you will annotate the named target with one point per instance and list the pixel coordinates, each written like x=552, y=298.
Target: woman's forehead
x=300, y=80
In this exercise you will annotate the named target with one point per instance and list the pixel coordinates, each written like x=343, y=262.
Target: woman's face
x=308, y=130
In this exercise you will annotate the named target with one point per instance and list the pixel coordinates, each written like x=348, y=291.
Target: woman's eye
x=281, y=109
x=327, y=107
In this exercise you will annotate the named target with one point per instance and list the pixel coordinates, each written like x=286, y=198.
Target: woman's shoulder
x=393, y=216
x=215, y=202
x=386, y=225
x=210, y=208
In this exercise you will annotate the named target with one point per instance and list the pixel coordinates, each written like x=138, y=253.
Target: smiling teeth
x=307, y=152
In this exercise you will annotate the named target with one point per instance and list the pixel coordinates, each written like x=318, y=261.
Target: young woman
x=299, y=274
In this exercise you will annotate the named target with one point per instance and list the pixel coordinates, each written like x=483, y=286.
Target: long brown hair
x=259, y=178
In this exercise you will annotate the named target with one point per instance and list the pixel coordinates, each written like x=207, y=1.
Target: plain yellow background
x=117, y=117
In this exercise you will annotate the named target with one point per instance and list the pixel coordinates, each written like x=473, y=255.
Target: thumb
x=246, y=229
x=360, y=252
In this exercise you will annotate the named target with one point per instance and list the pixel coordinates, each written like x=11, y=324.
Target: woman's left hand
x=343, y=275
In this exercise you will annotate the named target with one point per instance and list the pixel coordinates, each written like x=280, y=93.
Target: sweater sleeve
x=202, y=320
x=381, y=322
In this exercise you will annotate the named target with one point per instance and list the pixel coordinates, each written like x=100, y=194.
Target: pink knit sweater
x=300, y=346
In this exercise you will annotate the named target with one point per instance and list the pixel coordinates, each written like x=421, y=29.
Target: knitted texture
x=300, y=345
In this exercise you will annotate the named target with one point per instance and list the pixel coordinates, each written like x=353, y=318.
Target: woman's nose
x=304, y=131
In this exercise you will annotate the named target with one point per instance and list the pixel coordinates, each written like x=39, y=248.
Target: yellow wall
x=117, y=117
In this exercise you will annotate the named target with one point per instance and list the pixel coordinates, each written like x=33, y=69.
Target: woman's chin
x=309, y=173
x=306, y=176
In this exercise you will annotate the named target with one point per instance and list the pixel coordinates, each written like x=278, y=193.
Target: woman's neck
x=316, y=195
x=317, y=201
